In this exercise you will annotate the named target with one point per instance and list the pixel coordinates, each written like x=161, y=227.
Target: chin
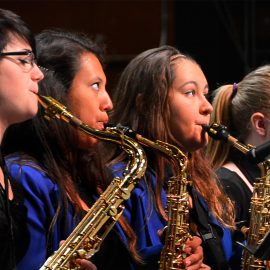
x=88, y=142
x=24, y=116
x=197, y=145
x=32, y=111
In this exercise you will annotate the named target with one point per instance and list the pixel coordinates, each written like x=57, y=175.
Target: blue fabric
x=142, y=215
x=41, y=198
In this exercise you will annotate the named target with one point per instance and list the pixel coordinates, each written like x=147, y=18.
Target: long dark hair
x=54, y=144
x=11, y=24
x=143, y=93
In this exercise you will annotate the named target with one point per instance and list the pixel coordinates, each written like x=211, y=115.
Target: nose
x=36, y=73
x=206, y=107
x=107, y=104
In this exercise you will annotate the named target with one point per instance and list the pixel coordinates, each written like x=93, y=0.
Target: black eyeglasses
x=26, y=63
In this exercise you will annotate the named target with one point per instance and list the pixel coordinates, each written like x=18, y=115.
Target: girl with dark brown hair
x=162, y=95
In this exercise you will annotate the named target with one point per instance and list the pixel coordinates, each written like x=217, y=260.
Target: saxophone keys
x=80, y=253
x=113, y=211
x=125, y=193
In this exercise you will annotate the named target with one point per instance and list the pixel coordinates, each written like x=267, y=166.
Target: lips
x=205, y=123
x=35, y=91
x=100, y=125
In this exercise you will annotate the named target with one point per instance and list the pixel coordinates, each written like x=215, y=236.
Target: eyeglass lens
x=26, y=63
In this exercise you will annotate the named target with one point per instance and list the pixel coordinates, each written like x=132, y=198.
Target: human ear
x=259, y=123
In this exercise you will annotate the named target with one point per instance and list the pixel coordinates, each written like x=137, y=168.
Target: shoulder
x=224, y=173
x=30, y=175
x=228, y=177
x=234, y=186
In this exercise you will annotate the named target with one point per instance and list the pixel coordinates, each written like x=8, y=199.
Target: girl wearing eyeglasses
x=19, y=77
x=59, y=168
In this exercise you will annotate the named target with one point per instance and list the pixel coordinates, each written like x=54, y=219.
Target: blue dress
x=41, y=197
x=142, y=215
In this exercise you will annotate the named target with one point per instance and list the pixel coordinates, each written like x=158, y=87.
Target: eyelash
x=24, y=61
x=190, y=92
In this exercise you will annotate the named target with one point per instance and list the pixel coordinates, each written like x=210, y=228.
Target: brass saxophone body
x=88, y=235
x=260, y=200
x=259, y=217
x=177, y=231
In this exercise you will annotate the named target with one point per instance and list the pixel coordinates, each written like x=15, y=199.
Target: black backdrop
x=228, y=38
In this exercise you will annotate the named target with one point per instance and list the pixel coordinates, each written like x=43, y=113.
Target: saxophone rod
x=255, y=154
x=163, y=147
x=219, y=132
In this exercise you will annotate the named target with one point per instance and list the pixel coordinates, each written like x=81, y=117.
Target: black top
x=236, y=188
x=17, y=243
x=14, y=235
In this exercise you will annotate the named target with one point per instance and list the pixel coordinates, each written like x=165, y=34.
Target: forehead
x=89, y=62
x=15, y=41
x=187, y=70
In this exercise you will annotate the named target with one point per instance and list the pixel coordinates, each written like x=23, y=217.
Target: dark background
x=228, y=38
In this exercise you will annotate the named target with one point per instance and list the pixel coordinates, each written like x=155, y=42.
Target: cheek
x=87, y=117
x=177, y=121
x=84, y=111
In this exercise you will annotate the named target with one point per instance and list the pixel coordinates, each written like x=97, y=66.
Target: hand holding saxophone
x=81, y=264
x=194, y=253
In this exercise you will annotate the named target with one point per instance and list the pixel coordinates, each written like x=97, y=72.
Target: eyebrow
x=195, y=83
x=97, y=78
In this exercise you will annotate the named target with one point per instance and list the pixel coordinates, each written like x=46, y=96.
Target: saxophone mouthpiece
x=217, y=131
x=44, y=101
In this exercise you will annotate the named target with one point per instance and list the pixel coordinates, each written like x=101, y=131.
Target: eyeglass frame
x=26, y=52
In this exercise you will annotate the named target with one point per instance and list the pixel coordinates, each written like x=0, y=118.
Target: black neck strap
x=213, y=250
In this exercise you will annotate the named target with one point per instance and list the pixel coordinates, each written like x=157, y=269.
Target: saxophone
x=260, y=200
x=260, y=217
x=177, y=230
x=88, y=235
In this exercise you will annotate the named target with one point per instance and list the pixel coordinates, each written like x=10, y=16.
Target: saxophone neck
x=264, y=167
x=219, y=132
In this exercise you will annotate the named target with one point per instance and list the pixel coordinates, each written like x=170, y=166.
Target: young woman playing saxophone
x=60, y=170
x=58, y=167
x=162, y=95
